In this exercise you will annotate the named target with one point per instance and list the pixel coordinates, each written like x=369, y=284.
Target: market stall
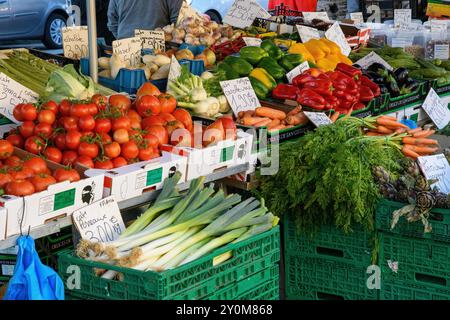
x=162, y=168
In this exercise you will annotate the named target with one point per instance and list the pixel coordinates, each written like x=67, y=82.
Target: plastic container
x=439, y=219
x=195, y=280
x=437, y=46
x=412, y=42
x=399, y=290
x=379, y=37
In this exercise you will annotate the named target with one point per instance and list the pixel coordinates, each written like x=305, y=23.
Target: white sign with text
x=297, y=71
x=75, y=42
x=357, y=17
x=152, y=39
x=174, y=71
x=438, y=25
x=335, y=34
x=250, y=41
x=240, y=95
x=322, y=15
x=243, y=12
x=402, y=18
x=436, y=167
x=128, y=50
x=307, y=33
x=436, y=109
x=372, y=58
x=318, y=118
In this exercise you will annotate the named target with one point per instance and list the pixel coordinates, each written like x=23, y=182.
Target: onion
x=178, y=33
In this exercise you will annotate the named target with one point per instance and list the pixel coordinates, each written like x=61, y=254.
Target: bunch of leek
x=178, y=229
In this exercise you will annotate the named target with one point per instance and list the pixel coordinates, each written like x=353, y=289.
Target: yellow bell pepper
x=315, y=49
x=345, y=59
x=282, y=42
x=264, y=77
x=333, y=58
x=323, y=46
x=299, y=48
x=334, y=48
x=326, y=65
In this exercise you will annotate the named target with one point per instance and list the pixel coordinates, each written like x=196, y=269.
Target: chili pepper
x=301, y=79
x=365, y=81
x=323, y=87
x=285, y=91
x=310, y=98
x=351, y=71
x=366, y=94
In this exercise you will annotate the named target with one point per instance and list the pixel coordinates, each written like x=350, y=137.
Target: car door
x=5, y=17
x=28, y=14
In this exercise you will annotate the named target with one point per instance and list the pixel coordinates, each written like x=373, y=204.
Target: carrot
x=412, y=131
x=277, y=128
x=417, y=141
x=335, y=116
x=289, y=126
x=424, y=133
x=423, y=150
x=409, y=153
x=263, y=123
x=249, y=121
x=388, y=118
x=241, y=114
x=270, y=113
x=384, y=130
x=373, y=134
x=297, y=119
x=349, y=111
x=296, y=110
x=274, y=123
x=390, y=123
x=400, y=130
x=249, y=113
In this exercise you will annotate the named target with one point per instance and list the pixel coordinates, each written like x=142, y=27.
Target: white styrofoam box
x=131, y=181
x=224, y=154
x=3, y=219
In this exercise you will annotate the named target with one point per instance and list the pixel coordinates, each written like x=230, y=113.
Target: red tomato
x=70, y=123
x=120, y=103
x=112, y=150
x=121, y=123
x=51, y=106
x=103, y=125
x=100, y=101
x=16, y=140
x=88, y=149
x=89, y=134
x=129, y=150
x=20, y=188
x=17, y=112
x=229, y=126
x=19, y=173
x=152, y=120
x=6, y=149
x=46, y=116
x=133, y=115
x=69, y=157
x=66, y=174
x=185, y=118
x=119, y=162
x=5, y=178
x=151, y=140
x=93, y=109
x=213, y=133
x=168, y=102
x=160, y=132
x=34, y=144
x=104, y=165
x=42, y=181
x=64, y=108
x=53, y=154
x=86, y=123
x=146, y=154
x=26, y=129
x=85, y=161
x=121, y=136
x=181, y=138
x=29, y=112
x=73, y=139
x=36, y=164
x=13, y=161
x=148, y=105
x=106, y=138
x=43, y=130
x=134, y=124
x=167, y=117
x=79, y=110
x=60, y=141
x=148, y=88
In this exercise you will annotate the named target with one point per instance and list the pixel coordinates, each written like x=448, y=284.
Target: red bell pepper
x=285, y=92
x=350, y=71
x=343, y=95
x=312, y=99
x=359, y=106
x=313, y=72
x=366, y=94
x=372, y=85
x=301, y=79
x=322, y=87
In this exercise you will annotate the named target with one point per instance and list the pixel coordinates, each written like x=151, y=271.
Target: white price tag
x=243, y=12
x=322, y=15
x=438, y=25
x=318, y=118
x=307, y=33
x=402, y=18
x=372, y=58
x=285, y=28
x=11, y=94
x=129, y=50
x=187, y=11
x=401, y=42
x=357, y=17
x=441, y=51
x=436, y=167
x=151, y=39
x=174, y=71
x=240, y=95
x=297, y=71
x=336, y=35
x=249, y=41
x=436, y=109
x=100, y=221
x=75, y=42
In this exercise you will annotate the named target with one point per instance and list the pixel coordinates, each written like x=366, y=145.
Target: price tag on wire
x=240, y=95
x=402, y=18
x=322, y=15
x=318, y=118
x=436, y=167
x=307, y=33
x=297, y=71
x=335, y=34
x=129, y=50
x=174, y=71
x=250, y=41
x=436, y=109
x=152, y=39
x=372, y=58
x=75, y=42
x=243, y=12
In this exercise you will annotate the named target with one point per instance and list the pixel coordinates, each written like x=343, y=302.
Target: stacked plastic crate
x=414, y=265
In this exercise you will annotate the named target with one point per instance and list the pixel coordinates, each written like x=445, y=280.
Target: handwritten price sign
x=436, y=109
x=151, y=39
x=240, y=95
x=75, y=42
x=129, y=50
x=436, y=167
x=243, y=12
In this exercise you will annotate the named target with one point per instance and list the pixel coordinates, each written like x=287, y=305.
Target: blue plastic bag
x=32, y=280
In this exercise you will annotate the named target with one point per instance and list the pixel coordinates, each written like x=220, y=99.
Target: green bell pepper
x=290, y=61
x=271, y=66
x=239, y=65
x=272, y=49
x=230, y=74
x=253, y=54
x=260, y=89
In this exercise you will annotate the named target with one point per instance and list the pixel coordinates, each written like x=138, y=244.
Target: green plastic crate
x=329, y=241
x=439, y=219
x=331, y=279
x=403, y=101
x=399, y=290
x=422, y=263
x=195, y=280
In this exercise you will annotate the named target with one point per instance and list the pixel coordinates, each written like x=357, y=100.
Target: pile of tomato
x=23, y=177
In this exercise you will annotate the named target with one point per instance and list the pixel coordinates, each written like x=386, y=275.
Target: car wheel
x=53, y=37
x=214, y=16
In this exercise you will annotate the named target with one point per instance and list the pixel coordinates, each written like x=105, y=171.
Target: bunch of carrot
x=414, y=142
x=271, y=118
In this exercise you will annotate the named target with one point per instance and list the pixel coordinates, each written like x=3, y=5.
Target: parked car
x=217, y=9
x=34, y=19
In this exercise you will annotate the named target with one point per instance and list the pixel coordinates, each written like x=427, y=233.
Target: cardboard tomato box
x=224, y=154
x=3, y=219
x=58, y=200
x=133, y=180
